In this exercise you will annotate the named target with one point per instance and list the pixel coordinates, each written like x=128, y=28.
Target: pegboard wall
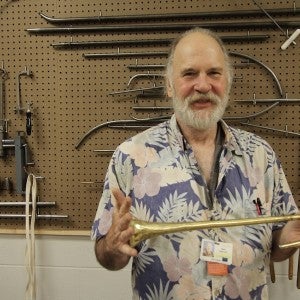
x=70, y=94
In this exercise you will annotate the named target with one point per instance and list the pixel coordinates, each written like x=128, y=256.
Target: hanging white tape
x=31, y=192
x=290, y=39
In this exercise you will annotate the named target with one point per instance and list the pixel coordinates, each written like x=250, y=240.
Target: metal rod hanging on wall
x=281, y=100
x=145, y=42
x=285, y=131
x=22, y=203
x=161, y=27
x=3, y=74
x=221, y=14
x=155, y=90
x=123, y=54
x=38, y=216
x=143, y=66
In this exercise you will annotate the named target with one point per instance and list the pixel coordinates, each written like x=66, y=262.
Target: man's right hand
x=113, y=251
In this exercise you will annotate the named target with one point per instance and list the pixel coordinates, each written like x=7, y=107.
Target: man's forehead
x=205, y=51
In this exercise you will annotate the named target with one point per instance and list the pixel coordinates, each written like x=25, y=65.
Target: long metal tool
x=281, y=100
x=145, y=42
x=3, y=74
x=153, y=108
x=146, y=66
x=123, y=54
x=146, y=90
x=160, y=27
x=21, y=203
x=143, y=17
x=140, y=42
x=38, y=216
x=285, y=131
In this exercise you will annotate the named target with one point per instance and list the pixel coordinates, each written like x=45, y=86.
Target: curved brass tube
x=145, y=230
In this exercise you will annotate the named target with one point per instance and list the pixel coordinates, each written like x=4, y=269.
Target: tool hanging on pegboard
x=19, y=144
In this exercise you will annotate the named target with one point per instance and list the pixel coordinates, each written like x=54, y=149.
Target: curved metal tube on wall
x=142, y=17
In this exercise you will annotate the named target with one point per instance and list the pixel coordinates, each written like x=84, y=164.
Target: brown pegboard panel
x=71, y=94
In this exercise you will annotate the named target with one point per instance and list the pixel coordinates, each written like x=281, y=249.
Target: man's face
x=199, y=81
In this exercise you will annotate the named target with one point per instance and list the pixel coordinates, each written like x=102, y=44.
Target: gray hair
x=169, y=64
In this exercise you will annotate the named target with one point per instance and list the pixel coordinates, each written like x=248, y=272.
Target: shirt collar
x=230, y=139
x=231, y=142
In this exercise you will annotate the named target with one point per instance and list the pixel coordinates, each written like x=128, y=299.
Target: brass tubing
x=144, y=230
x=290, y=245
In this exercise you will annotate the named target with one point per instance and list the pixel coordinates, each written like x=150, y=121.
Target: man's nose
x=202, y=84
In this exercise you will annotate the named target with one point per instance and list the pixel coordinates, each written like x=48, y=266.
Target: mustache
x=204, y=97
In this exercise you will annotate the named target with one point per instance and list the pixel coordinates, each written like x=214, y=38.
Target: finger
x=125, y=239
x=119, y=197
x=125, y=206
x=124, y=222
x=126, y=249
x=123, y=203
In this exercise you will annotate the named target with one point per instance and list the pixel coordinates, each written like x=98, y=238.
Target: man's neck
x=198, y=137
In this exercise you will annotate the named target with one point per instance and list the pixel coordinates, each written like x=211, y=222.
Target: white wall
x=67, y=269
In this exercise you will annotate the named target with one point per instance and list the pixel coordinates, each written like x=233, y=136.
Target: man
x=194, y=167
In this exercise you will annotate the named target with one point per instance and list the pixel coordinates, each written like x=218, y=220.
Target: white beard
x=200, y=119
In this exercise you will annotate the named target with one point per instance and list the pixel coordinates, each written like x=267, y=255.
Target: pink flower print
x=140, y=154
x=146, y=182
x=188, y=290
x=255, y=176
x=243, y=255
x=176, y=267
x=237, y=284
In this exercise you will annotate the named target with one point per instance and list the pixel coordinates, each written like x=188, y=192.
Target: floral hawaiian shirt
x=158, y=170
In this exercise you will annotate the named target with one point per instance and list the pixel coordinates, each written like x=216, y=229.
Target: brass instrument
x=144, y=230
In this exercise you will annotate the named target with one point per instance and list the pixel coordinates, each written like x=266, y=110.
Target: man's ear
x=169, y=88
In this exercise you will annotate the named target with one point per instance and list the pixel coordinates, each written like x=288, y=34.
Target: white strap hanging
x=31, y=192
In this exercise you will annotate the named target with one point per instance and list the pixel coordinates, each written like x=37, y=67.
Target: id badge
x=218, y=252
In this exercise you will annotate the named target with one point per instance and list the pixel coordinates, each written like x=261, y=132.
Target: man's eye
x=215, y=73
x=188, y=74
